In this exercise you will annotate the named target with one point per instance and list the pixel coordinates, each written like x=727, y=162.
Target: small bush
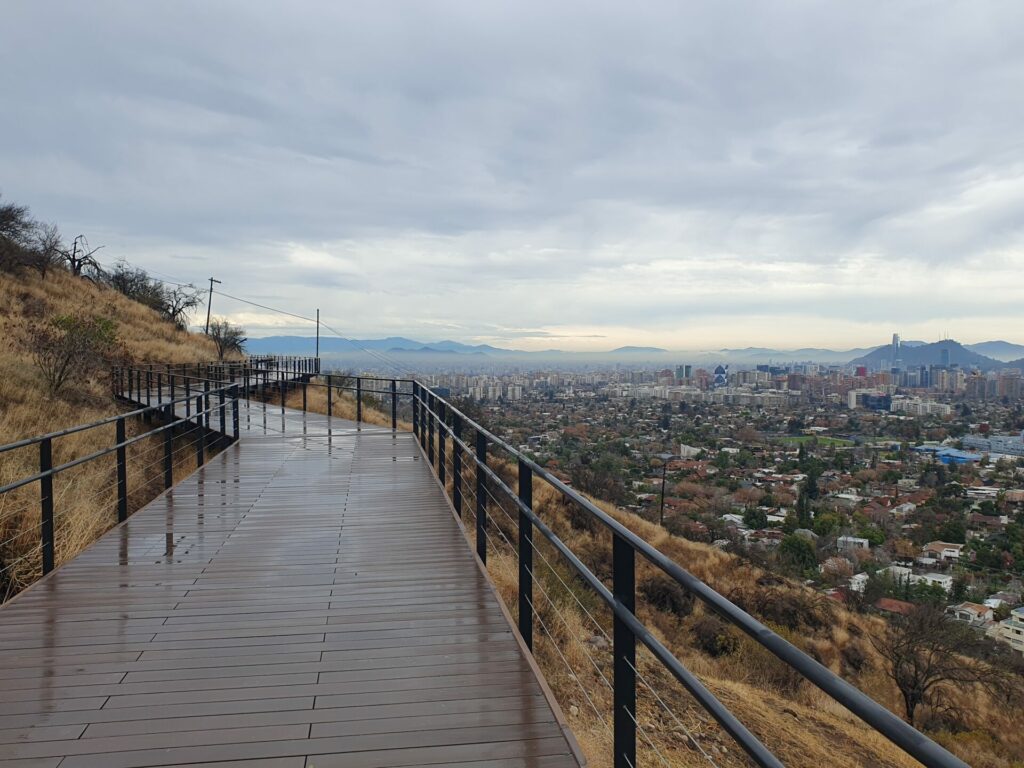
x=714, y=636
x=71, y=347
x=665, y=594
x=789, y=608
x=854, y=658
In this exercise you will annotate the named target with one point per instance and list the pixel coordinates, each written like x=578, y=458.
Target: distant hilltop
x=945, y=352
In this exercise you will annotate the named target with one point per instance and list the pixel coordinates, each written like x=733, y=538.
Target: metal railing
x=199, y=407
x=436, y=418
x=267, y=379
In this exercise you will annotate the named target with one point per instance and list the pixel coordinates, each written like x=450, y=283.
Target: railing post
x=416, y=410
x=330, y=397
x=122, y=471
x=138, y=386
x=46, y=502
x=624, y=650
x=441, y=454
x=281, y=380
x=169, y=447
x=304, y=388
x=394, y=405
x=481, y=497
x=234, y=415
x=457, y=464
x=526, y=556
x=149, y=388
x=188, y=398
x=430, y=427
x=223, y=411
x=170, y=385
x=359, y=399
x=159, y=388
x=202, y=432
x=205, y=410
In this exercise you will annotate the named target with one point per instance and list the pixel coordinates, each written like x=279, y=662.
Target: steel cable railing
x=436, y=421
x=539, y=583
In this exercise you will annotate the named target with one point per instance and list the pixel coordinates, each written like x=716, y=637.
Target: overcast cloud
x=575, y=175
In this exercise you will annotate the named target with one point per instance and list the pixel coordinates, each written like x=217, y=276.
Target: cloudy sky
x=557, y=174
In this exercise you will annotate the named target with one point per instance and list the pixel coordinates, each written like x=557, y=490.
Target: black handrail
x=431, y=412
x=228, y=396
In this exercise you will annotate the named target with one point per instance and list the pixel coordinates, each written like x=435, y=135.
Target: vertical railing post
x=526, y=555
x=169, y=447
x=159, y=388
x=481, y=497
x=46, y=502
x=188, y=398
x=416, y=410
x=205, y=410
x=359, y=399
x=304, y=395
x=122, y=471
x=202, y=432
x=170, y=385
x=281, y=379
x=394, y=405
x=330, y=397
x=430, y=427
x=442, y=418
x=222, y=402
x=624, y=650
x=149, y=387
x=457, y=464
x=234, y=411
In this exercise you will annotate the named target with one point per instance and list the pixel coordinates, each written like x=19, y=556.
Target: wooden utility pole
x=209, y=304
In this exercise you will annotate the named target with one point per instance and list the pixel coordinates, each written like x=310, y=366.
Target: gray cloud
x=576, y=170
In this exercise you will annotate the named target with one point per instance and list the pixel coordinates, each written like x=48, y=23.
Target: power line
x=379, y=356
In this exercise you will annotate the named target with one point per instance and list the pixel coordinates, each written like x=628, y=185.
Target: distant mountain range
x=985, y=355
x=998, y=350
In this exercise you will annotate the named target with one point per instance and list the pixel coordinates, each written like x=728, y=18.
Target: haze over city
x=532, y=177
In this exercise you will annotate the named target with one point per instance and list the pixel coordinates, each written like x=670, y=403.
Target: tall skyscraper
x=895, y=360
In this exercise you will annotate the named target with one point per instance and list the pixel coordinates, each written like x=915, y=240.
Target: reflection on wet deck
x=305, y=598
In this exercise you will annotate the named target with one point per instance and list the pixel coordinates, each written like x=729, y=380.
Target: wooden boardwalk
x=305, y=599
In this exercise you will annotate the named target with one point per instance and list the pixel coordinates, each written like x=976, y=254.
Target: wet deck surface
x=305, y=599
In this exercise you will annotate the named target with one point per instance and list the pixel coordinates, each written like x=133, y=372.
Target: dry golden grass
x=798, y=722
x=84, y=497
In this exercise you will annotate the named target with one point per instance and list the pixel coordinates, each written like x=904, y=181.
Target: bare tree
x=928, y=654
x=137, y=285
x=16, y=228
x=81, y=257
x=229, y=338
x=48, y=248
x=179, y=301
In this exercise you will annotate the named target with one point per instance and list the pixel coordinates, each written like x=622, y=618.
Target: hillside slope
x=802, y=725
x=85, y=495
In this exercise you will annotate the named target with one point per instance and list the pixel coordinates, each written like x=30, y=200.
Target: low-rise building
x=1010, y=630
x=943, y=550
x=852, y=543
x=972, y=613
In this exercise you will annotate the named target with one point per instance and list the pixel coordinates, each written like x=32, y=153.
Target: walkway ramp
x=304, y=599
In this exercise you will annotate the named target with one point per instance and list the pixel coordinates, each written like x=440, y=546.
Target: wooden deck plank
x=304, y=599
